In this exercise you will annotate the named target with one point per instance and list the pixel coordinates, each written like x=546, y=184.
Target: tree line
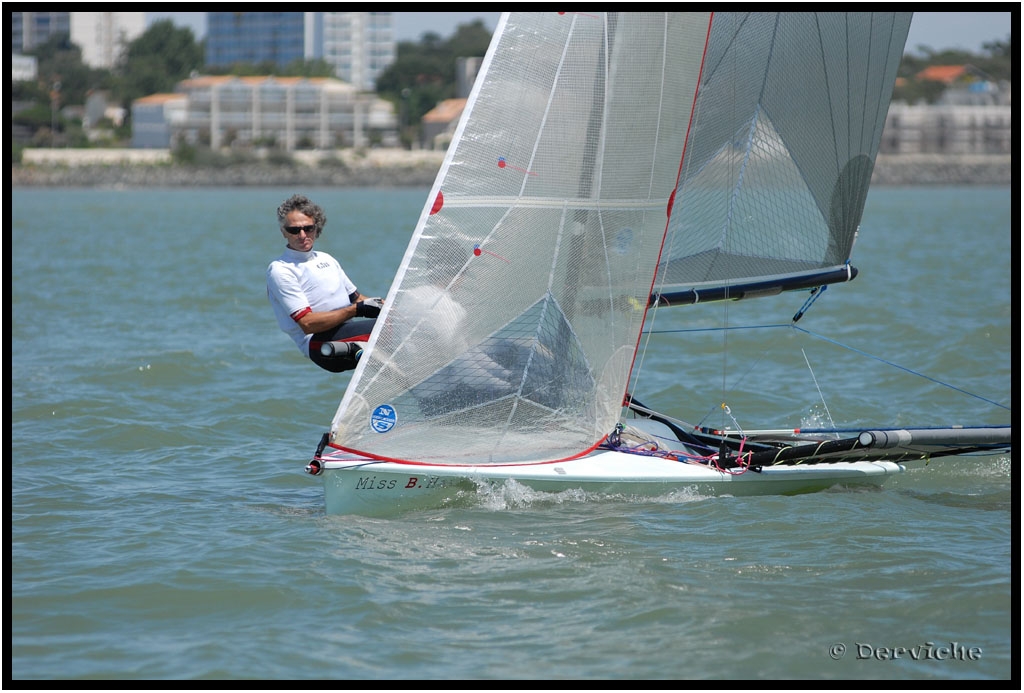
x=422, y=75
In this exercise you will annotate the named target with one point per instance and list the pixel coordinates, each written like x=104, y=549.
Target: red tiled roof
x=445, y=112
x=158, y=98
x=211, y=80
x=947, y=74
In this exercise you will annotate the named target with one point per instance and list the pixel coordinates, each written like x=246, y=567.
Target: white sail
x=512, y=325
x=511, y=328
x=782, y=145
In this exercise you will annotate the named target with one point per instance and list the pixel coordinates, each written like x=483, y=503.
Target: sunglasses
x=294, y=230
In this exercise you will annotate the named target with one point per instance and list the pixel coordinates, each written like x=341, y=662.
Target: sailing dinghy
x=609, y=166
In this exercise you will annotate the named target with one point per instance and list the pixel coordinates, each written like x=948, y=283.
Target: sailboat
x=609, y=168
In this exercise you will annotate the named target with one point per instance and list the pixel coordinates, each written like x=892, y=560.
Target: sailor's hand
x=369, y=308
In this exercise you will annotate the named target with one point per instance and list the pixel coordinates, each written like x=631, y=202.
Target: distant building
x=358, y=45
x=30, y=29
x=24, y=68
x=103, y=36
x=947, y=74
x=980, y=93
x=440, y=122
x=99, y=106
x=466, y=70
x=154, y=117
x=948, y=129
x=288, y=113
x=255, y=37
x=967, y=85
x=973, y=115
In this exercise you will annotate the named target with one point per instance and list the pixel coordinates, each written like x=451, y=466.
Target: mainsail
x=511, y=328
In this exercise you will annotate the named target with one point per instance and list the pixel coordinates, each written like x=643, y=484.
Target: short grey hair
x=303, y=204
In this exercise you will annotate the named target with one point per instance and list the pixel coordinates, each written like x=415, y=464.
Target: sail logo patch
x=383, y=418
x=623, y=241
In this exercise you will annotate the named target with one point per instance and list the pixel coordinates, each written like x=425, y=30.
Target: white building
x=359, y=45
x=948, y=129
x=154, y=117
x=284, y=112
x=103, y=36
x=24, y=68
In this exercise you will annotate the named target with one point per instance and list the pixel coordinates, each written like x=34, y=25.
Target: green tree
x=296, y=68
x=308, y=68
x=156, y=61
x=999, y=49
x=35, y=117
x=469, y=40
x=997, y=62
x=61, y=72
x=423, y=73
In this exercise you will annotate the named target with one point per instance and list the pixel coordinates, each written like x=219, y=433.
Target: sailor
x=315, y=302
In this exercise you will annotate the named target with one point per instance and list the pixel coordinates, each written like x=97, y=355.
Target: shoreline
x=96, y=168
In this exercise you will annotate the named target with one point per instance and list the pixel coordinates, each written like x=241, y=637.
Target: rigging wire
x=902, y=368
x=844, y=346
x=820, y=395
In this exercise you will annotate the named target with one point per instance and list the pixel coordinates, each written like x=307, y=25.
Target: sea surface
x=161, y=525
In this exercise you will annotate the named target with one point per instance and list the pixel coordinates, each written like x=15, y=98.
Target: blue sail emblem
x=383, y=418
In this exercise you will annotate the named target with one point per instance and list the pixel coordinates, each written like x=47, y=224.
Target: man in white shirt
x=315, y=302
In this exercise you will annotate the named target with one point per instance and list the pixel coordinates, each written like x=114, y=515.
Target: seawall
x=943, y=169
x=393, y=168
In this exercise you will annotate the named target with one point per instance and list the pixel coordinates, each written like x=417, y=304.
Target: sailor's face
x=299, y=231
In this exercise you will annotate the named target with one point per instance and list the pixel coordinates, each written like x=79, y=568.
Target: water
x=161, y=525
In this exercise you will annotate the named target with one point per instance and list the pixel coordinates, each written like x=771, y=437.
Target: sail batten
x=589, y=203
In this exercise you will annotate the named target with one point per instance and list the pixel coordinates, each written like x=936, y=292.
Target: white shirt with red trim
x=300, y=282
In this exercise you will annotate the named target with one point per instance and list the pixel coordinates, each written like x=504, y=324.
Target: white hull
x=358, y=486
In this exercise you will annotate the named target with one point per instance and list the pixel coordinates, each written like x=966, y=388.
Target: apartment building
x=103, y=36
x=358, y=45
x=30, y=29
x=287, y=113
